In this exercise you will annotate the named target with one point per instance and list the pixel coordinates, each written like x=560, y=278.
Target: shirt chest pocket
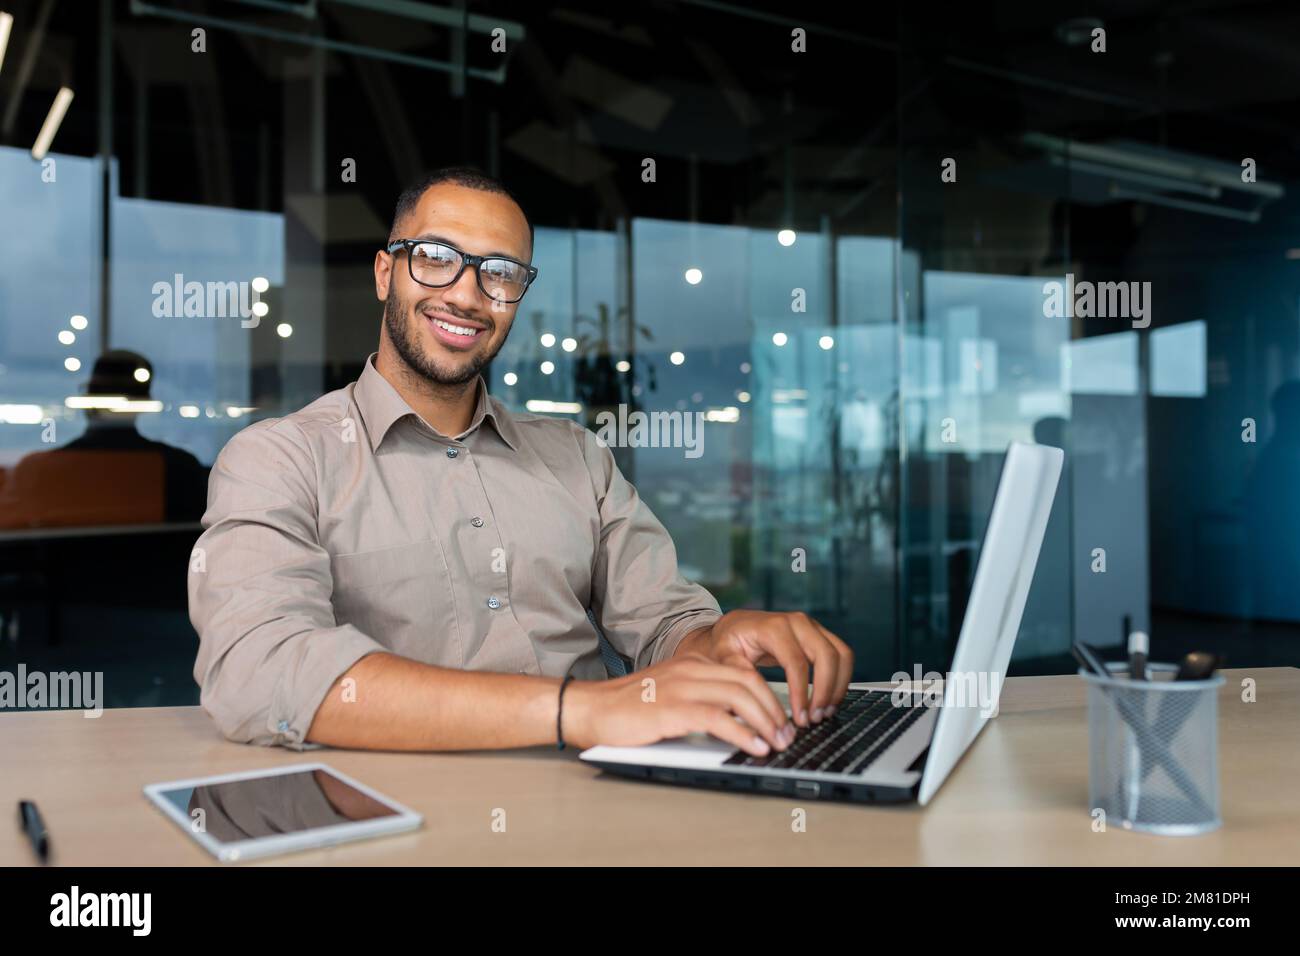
x=403, y=597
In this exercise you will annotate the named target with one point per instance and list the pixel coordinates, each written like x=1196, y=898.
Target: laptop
x=898, y=744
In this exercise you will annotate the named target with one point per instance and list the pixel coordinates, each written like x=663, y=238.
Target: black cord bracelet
x=559, y=715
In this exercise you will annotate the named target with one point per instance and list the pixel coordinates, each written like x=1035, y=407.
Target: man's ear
x=383, y=274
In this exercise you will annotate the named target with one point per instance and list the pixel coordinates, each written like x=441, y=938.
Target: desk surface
x=1018, y=797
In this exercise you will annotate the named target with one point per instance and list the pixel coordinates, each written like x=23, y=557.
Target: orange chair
x=63, y=489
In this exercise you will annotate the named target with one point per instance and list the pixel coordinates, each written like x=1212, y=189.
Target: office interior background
x=863, y=334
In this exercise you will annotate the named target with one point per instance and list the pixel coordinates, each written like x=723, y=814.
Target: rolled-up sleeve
x=259, y=593
x=643, y=604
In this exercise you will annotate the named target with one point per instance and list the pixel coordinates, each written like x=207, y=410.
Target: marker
x=1138, y=647
x=29, y=818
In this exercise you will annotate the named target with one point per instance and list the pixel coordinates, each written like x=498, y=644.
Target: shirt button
x=452, y=452
x=476, y=522
x=494, y=602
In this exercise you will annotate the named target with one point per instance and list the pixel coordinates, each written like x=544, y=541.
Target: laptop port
x=807, y=788
x=773, y=783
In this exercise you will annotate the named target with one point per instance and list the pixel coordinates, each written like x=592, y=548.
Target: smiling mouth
x=452, y=331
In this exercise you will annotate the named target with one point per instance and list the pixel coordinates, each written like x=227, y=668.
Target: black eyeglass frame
x=465, y=260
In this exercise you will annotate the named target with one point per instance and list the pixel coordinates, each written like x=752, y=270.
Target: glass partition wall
x=846, y=258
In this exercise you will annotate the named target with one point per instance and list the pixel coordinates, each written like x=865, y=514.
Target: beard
x=399, y=320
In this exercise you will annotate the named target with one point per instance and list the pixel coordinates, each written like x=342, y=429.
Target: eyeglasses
x=438, y=265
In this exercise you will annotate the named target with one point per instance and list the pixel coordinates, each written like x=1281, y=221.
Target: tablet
x=242, y=816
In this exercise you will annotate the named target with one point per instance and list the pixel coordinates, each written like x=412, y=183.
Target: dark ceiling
x=741, y=128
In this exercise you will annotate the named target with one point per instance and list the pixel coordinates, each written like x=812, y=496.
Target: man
x=112, y=474
x=130, y=374
x=406, y=565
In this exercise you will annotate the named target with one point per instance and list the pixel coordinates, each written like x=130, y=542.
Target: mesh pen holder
x=1153, y=762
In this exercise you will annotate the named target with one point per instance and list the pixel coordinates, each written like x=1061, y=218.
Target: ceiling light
x=6, y=24
x=62, y=100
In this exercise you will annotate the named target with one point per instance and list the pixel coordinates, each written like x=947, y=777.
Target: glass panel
x=776, y=245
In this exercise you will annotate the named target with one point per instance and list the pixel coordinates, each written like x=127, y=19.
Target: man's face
x=416, y=317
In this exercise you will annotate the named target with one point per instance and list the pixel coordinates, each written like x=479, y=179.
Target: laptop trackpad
x=693, y=750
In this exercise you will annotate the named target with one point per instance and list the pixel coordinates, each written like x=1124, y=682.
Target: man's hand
x=687, y=694
x=789, y=640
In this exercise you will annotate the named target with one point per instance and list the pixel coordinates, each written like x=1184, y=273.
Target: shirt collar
x=381, y=406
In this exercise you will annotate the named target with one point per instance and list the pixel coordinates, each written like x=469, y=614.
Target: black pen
x=29, y=818
x=1089, y=659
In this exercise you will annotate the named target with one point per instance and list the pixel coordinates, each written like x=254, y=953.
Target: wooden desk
x=1018, y=797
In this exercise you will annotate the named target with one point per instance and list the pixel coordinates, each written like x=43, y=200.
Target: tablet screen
x=277, y=805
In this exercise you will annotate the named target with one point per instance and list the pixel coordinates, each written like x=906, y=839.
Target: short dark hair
x=468, y=176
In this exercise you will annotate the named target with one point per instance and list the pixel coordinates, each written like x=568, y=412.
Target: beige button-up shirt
x=352, y=526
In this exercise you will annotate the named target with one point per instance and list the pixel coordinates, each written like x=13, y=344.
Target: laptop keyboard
x=863, y=727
